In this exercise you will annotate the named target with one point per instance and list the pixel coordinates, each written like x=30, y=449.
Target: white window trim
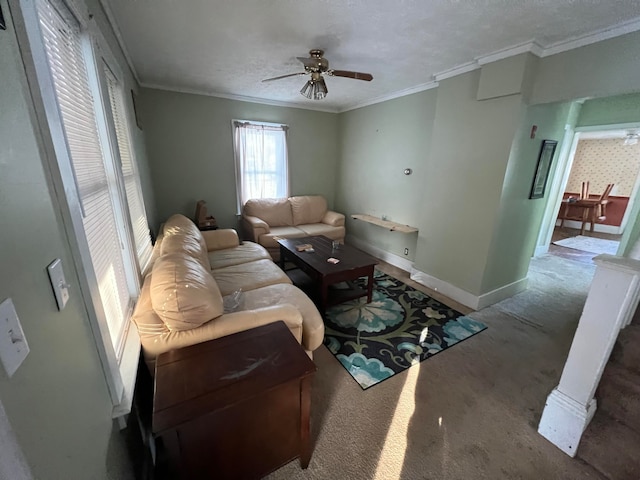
x=119, y=375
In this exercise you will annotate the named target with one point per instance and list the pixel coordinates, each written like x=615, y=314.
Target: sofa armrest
x=334, y=219
x=220, y=239
x=224, y=325
x=254, y=227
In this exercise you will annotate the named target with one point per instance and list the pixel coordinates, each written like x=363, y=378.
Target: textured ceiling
x=227, y=47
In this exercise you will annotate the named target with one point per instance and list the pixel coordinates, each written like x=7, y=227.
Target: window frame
x=237, y=166
x=119, y=368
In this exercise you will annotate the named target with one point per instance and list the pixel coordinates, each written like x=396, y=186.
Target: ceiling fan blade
x=284, y=76
x=345, y=73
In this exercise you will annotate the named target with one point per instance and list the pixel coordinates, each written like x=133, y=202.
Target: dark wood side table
x=235, y=407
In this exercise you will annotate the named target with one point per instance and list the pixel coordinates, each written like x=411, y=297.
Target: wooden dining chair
x=584, y=193
x=602, y=203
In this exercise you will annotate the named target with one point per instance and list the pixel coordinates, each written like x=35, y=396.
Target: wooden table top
x=350, y=257
x=207, y=376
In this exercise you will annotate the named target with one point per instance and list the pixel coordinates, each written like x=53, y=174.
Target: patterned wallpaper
x=605, y=161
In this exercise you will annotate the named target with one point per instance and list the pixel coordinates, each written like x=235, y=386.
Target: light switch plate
x=13, y=344
x=58, y=283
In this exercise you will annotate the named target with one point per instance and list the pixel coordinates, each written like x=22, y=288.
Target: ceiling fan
x=317, y=66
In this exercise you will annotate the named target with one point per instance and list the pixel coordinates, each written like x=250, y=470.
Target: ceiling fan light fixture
x=306, y=89
x=320, y=90
x=315, y=89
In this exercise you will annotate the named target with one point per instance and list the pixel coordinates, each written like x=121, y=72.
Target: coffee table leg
x=324, y=295
x=370, y=287
x=305, y=422
x=282, y=252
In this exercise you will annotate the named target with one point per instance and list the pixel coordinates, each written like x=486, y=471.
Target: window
x=131, y=179
x=87, y=128
x=261, y=160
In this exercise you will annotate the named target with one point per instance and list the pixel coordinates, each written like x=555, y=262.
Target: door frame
x=561, y=178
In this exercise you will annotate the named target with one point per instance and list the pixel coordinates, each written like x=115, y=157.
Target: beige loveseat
x=267, y=219
x=182, y=300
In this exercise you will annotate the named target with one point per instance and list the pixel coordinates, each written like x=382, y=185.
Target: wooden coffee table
x=353, y=264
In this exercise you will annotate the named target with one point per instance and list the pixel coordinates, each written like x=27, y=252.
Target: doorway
x=602, y=167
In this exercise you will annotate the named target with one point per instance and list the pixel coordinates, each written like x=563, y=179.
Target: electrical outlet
x=59, y=283
x=406, y=251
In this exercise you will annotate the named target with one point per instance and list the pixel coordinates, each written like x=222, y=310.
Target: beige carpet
x=468, y=413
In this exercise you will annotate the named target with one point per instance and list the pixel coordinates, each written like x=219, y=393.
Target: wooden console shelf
x=393, y=226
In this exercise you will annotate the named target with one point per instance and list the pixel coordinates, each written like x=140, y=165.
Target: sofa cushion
x=270, y=240
x=182, y=226
x=183, y=293
x=275, y=211
x=312, y=325
x=308, y=209
x=247, y=252
x=334, y=233
x=248, y=276
x=144, y=316
x=181, y=242
x=179, y=224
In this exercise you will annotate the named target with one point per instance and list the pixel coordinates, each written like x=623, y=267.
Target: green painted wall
x=610, y=110
x=190, y=145
x=602, y=69
x=462, y=182
x=476, y=161
x=377, y=143
x=519, y=218
x=57, y=402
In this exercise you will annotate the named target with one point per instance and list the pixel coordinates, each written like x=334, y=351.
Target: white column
x=611, y=303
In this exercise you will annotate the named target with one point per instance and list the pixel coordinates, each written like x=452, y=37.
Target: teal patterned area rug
x=399, y=328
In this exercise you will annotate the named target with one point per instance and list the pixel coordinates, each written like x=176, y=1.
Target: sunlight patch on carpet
x=399, y=328
x=396, y=444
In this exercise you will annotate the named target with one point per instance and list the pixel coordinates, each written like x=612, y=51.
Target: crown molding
x=116, y=31
x=623, y=28
x=240, y=98
x=455, y=71
x=400, y=93
x=528, y=47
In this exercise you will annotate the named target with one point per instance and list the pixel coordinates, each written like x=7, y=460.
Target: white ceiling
x=226, y=47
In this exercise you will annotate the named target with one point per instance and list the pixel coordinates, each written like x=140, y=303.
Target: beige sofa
x=267, y=219
x=182, y=300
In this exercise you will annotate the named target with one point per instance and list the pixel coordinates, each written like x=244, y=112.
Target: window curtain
x=261, y=161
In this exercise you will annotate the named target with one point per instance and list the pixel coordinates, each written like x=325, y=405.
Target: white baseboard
x=395, y=260
x=502, y=293
x=599, y=227
x=564, y=420
x=462, y=296
x=541, y=250
x=445, y=288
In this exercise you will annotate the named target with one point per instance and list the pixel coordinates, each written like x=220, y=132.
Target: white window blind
x=261, y=161
x=64, y=47
x=132, y=187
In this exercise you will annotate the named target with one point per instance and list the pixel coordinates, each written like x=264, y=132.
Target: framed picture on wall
x=3, y=24
x=545, y=157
